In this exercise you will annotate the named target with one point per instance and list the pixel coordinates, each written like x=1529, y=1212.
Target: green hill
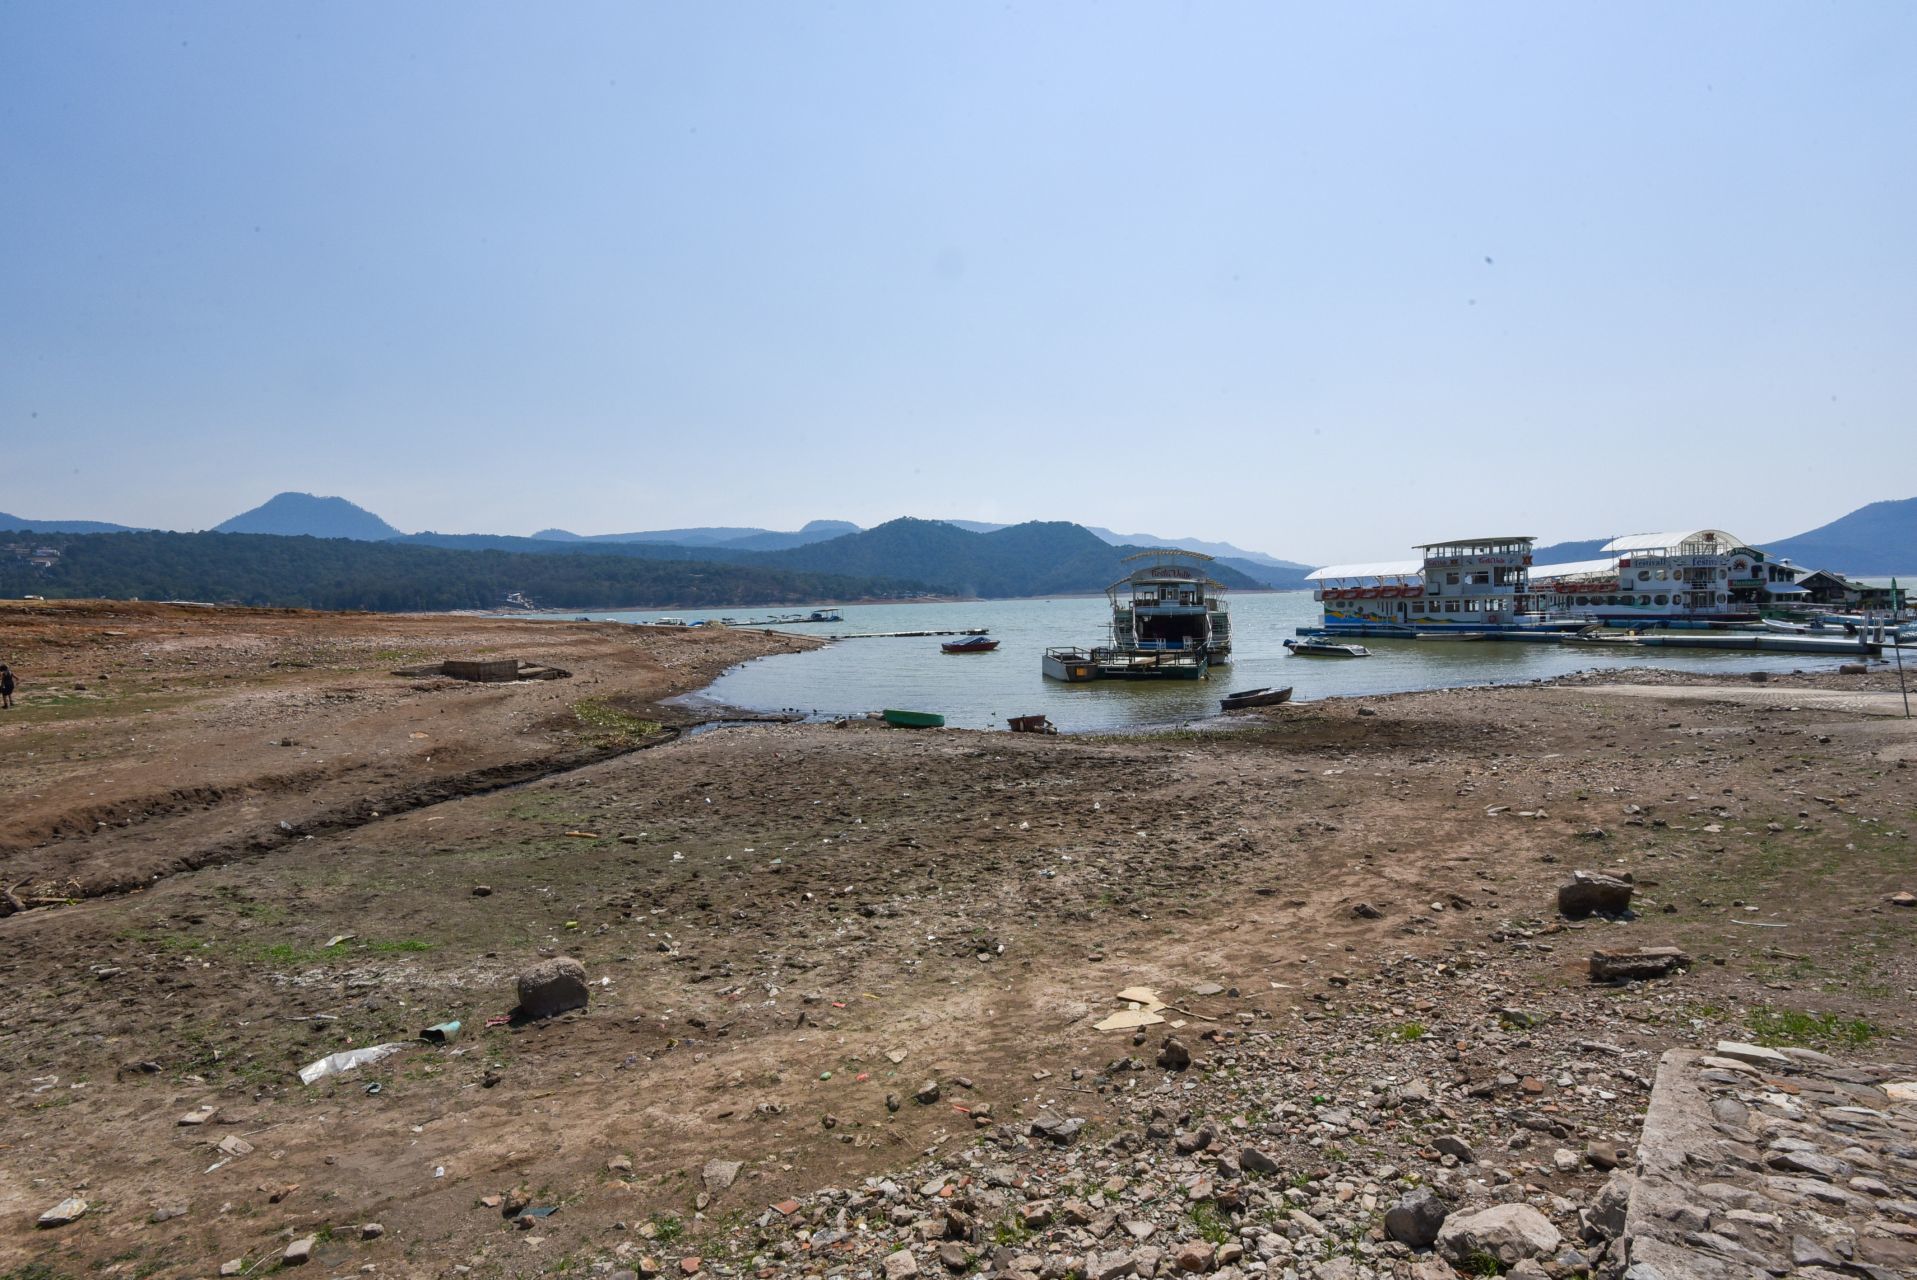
x=297, y=514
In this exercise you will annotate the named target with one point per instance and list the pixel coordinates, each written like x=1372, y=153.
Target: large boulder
x=1602, y=1220
x=552, y=987
x=1509, y=1233
x=1415, y=1219
x=1594, y=893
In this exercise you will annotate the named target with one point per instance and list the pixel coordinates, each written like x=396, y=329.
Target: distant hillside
x=1034, y=559
x=297, y=514
x=1878, y=539
x=746, y=539
x=23, y=525
x=1223, y=550
x=1274, y=576
x=344, y=573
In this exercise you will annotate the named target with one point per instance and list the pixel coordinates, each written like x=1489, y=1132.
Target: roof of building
x=1575, y=569
x=1478, y=542
x=1669, y=538
x=1380, y=569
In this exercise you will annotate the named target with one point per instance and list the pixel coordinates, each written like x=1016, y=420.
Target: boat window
x=1451, y=578
x=1663, y=599
x=1451, y=606
x=1643, y=575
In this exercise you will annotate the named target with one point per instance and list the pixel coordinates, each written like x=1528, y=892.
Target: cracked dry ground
x=770, y=915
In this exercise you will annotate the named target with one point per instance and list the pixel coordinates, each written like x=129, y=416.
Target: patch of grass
x=1406, y=1032
x=1206, y=1220
x=1008, y=1232
x=666, y=1228
x=1809, y=1030
x=1483, y=1264
x=608, y=726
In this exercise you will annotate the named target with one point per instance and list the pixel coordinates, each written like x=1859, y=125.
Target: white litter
x=334, y=1064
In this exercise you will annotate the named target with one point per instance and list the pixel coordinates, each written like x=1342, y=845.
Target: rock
x=1339, y=1268
x=1451, y=1145
x=482, y=891
x=1851, y=669
x=1109, y=1265
x=199, y=1115
x=720, y=1174
x=928, y=1093
x=233, y=1267
x=1902, y=898
x=552, y=987
x=72, y=1209
x=1193, y=1255
x=1755, y=1054
x=1252, y=1160
x=1529, y=1269
x=371, y=1231
x=900, y=1265
x=1415, y=1219
x=690, y=1264
x=1605, y=1155
x=1508, y=1232
x=1060, y=1129
x=1365, y=911
x=955, y=1256
x=300, y=1252
x=1589, y=893
x=1174, y=1056
x=168, y=1212
x=1637, y=966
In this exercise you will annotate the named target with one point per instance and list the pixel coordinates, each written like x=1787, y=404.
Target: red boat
x=971, y=644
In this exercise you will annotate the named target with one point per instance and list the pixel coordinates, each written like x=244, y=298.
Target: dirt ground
x=783, y=924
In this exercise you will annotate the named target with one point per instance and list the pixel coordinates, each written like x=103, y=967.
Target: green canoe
x=914, y=719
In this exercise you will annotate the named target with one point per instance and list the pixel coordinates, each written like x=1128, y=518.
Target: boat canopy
x=1670, y=540
x=1476, y=546
x=1380, y=569
x=1605, y=568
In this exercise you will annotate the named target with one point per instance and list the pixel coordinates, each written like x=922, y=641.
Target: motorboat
x=1312, y=647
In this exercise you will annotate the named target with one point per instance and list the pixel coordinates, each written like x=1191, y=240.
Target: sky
x=1322, y=280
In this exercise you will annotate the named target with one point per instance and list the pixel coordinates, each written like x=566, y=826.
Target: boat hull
x=1256, y=698
x=913, y=719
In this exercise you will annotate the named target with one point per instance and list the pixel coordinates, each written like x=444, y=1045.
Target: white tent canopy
x=1380, y=569
x=1670, y=540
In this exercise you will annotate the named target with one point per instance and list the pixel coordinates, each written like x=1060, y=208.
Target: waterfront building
x=1461, y=584
x=1658, y=579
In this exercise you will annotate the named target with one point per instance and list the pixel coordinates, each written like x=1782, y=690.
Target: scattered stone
x=1451, y=1145
x=1507, y=1232
x=1193, y=1255
x=300, y=1252
x=552, y=987
x=1640, y=965
x=1589, y=893
x=1365, y=911
x=928, y=1093
x=1174, y=1056
x=72, y=1209
x=371, y=1231
x=718, y=1175
x=199, y=1115
x=1902, y=898
x=1415, y=1219
x=900, y=1265
x=482, y=891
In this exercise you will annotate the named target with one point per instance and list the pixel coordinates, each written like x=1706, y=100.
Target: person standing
x=6, y=686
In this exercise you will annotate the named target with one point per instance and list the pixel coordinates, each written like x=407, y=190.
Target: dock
x=910, y=635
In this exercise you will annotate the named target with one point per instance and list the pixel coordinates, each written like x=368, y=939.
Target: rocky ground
x=844, y=984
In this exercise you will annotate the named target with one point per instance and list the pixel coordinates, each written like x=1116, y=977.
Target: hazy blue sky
x=1323, y=280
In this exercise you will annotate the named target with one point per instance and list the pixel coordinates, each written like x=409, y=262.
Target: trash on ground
x=334, y=1064
x=440, y=1032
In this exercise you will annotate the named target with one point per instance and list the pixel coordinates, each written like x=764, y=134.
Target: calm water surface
x=979, y=691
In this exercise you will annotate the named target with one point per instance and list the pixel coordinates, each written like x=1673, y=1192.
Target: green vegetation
x=1406, y=1032
x=337, y=573
x=666, y=1228
x=1208, y=1222
x=611, y=727
x=1809, y=1030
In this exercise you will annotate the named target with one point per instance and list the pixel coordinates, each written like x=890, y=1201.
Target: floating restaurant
x=1686, y=576
x=1168, y=623
x=1461, y=585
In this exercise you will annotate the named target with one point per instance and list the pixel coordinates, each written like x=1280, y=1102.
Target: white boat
x=1313, y=648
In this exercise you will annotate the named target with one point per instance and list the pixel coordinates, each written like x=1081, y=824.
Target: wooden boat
x=913, y=719
x=1031, y=724
x=1070, y=665
x=1255, y=698
x=1311, y=647
x=973, y=644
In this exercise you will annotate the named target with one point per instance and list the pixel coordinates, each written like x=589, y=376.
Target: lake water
x=980, y=691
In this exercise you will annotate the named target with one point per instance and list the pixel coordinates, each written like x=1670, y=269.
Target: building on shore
x=1462, y=584
x=1658, y=579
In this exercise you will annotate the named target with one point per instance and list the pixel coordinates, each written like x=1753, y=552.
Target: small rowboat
x=1310, y=648
x=1031, y=724
x=913, y=719
x=976, y=644
x=1255, y=698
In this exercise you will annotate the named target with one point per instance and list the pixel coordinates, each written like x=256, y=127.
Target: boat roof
x=1575, y=569
x=1479, y=542
x=1670, y=538
x=1378, y=569
x=1165, y=551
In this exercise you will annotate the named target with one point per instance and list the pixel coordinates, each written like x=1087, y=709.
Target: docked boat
x=1070, y=665
x=1313, y=647
x=1170, y=602
x=1768, y=642
x=913, y=719
x=971, y=644
x=1264, y=697
x=1112, y=663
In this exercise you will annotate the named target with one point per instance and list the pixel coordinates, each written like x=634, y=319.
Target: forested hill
x=338, y=573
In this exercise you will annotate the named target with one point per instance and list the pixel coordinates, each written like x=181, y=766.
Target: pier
x=910, y=635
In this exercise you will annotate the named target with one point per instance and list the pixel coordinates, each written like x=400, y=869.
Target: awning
x=1779, y=589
